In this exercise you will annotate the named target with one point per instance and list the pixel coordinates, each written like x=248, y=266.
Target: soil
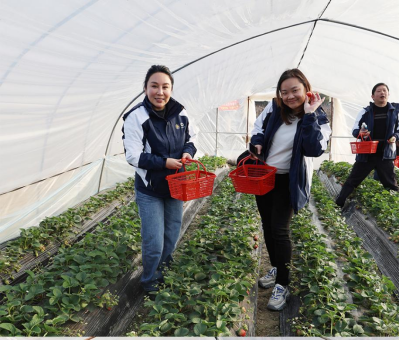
x=267, y=323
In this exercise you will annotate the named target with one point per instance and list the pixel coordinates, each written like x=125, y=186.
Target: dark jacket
x=310, y=140
x=366, y=115
x=149, y=140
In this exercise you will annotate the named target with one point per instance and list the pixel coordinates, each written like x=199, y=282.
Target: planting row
x=59, y=230
x=360, y=303
x=75, y=280
x=63, y=229
x=212, y=275
x=383, y=204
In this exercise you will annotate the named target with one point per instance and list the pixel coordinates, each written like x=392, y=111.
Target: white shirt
x=281, y=149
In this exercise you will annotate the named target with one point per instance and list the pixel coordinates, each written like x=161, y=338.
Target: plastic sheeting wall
x=68, y=70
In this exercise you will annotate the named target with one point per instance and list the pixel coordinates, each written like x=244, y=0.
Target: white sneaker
x=268, y=281
x=278, y=298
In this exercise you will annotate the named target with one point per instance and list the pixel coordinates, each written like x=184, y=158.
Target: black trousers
x=276, y=213
x=360, y=170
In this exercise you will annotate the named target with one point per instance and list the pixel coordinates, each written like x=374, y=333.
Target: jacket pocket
x=157, y=181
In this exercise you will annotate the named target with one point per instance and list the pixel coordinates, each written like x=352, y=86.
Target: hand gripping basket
x=364, y=147
x=256, y=179
x=189, y=185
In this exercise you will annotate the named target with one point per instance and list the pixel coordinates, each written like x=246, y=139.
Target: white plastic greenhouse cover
x=69, y=69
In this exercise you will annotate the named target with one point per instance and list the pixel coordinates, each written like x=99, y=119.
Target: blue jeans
x=161, y=220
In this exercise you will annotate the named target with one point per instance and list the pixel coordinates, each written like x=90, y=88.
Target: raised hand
x=313, y=102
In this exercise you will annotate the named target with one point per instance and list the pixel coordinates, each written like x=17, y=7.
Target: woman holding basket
x=157, y=135
x=291, y=130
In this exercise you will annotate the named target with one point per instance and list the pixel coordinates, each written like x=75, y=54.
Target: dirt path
x=267, y=323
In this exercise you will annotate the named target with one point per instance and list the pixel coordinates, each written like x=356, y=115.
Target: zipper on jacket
x=166, y=135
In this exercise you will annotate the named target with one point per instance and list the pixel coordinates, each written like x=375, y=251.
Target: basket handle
x=247, y=158
x=196, y=162
x=361, y=137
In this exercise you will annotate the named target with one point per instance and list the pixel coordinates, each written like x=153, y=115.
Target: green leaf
x=181, y=332
x=58, y=320
x=39, y=310
x=5, y=288
x=57, y=292
x=200, y=276
x=53, y=300
x=340, y=326
x=164, y=327
x=358, y=329
x=200, y=329
x=220, y=324
x=36, y=330
x=148, y=326
x=27, y=309
x=90, y=287
x=11, y=328
x=319, y=312
x=75, y=318
x=30, y=273
x=81, y=276
x=323, y=319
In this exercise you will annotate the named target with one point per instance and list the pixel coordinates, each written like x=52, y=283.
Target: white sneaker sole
x=278, y=307
x=266, y=286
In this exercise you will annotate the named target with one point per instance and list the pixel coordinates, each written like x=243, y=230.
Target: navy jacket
x=366, y=115
x=310, y=140
x=149, y=140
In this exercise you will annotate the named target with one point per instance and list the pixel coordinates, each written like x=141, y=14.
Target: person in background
x=290, y=131
x=157, y=135
x=380, y=121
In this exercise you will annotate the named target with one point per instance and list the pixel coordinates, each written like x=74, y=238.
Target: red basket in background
x=189, y=185
x=396, y=161
x=253, y=179
x=364, y=147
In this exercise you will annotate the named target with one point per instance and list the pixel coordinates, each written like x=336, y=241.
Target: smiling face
x=158, y=90
x=381, y=96
x=293, y=94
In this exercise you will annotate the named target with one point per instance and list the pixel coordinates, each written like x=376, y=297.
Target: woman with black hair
x=157, y=136
x=291, y=130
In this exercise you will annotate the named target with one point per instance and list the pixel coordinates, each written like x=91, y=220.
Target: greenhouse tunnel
x=70, y=69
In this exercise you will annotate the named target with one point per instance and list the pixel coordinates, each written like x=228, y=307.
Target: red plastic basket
x=396, y=161
x=253, y=179
x=364, y=147
x=189, y=185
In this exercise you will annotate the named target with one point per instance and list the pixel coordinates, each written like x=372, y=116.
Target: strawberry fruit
x=241, y=332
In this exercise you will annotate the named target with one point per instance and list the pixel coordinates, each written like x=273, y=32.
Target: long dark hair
x=158, y=68
x=286, y=113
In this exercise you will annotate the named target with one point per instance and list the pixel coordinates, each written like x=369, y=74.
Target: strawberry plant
x=328, y=309
x=76, y=277
x=369, y=290
x=211, y=274
x=383, y=204
x=58, y=229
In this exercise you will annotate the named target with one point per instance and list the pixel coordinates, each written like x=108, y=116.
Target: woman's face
x=158, y=90
x=293, y=94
